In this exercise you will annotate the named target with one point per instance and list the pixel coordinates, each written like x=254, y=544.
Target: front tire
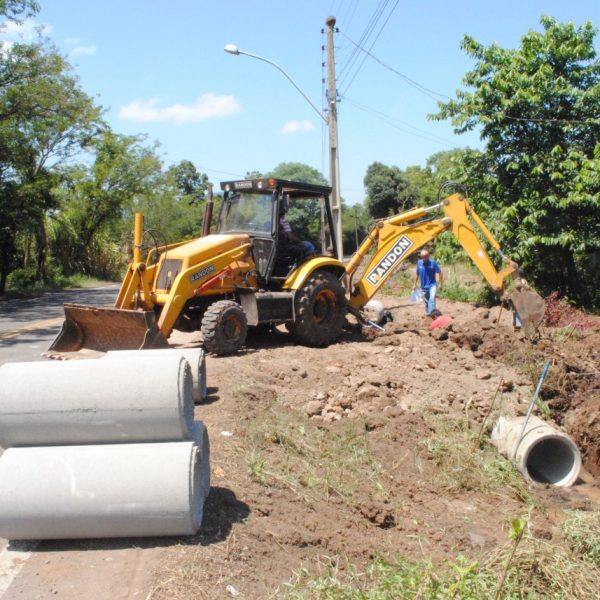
x=320, y=310
x=224, y=328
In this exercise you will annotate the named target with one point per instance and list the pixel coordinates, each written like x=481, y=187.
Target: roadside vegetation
x=536, y=570
x=70, y=185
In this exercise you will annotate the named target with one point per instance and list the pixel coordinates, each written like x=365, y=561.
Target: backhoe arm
x=400, y=236
x=462, y=216
x=395, y=239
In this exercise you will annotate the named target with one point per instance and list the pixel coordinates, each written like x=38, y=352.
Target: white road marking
x=5, y=335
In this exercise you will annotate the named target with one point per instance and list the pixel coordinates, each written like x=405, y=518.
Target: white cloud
x=83, y=51
x=295, y=126
x=207, y=106
x=24, y=32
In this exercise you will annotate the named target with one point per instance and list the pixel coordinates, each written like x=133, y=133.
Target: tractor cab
x=264, y=208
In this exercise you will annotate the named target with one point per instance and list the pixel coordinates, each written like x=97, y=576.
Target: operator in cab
x=291, y=244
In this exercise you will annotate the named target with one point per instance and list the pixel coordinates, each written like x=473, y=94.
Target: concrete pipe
x=122, y=490
x=374, y=311
x=95, y=402
x=195, y=356
x=543, y=454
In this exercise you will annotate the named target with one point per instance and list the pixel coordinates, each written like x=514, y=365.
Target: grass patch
x=22, y=283
x=537, y=571
x=285, y=450
x=467, y=463
x=582, y=533
x=562, y=334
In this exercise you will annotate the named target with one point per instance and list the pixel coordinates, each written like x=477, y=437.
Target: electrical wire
x=371, y=46
x=415, y=84
x=549, y=120
x=207, y=170
x=421, y=133
x=432, y=94
x=345, y=17
x=347, y=67
x=395, y=123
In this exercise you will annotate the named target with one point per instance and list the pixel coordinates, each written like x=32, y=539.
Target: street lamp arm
x=236, y=51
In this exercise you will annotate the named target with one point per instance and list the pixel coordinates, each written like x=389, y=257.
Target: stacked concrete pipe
x=543, y=453
x=93, y=401
x=195, y=357
x=101, y=448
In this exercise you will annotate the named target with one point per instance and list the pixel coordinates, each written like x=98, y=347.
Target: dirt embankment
x=322, y=458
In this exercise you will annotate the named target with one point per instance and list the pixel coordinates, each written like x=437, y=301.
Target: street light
x=331, y=121
x=233, y=49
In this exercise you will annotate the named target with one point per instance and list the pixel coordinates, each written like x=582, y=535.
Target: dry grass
x=466, y=463
x=582, y=533
x=284, y=450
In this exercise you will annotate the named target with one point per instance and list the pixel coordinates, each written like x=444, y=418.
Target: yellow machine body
x=156, y=294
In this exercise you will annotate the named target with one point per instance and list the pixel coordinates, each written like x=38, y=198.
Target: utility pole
x=334, y=164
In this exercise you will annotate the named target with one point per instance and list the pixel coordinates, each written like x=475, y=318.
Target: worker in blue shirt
x=427, y=269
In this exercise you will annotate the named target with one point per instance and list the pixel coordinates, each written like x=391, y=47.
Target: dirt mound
x=375, y=446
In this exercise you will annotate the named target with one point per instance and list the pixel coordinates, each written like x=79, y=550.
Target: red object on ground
x=441, y=321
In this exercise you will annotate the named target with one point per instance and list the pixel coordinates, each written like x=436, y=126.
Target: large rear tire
x=320, y=310
x=224, y=327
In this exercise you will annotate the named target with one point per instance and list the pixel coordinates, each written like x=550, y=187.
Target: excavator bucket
x=530, y=307
x=102, y=329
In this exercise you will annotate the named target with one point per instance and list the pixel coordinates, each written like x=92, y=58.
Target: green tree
x=296, y=171
x=94, y=199
x=190, y=183
x=355, y=220
x=171, y=215
x=45, y=119
x=388, y=190
x=13, y=10
x=536, y=107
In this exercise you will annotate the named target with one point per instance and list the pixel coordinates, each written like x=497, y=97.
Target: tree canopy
x=538, y=177
x=388, y=190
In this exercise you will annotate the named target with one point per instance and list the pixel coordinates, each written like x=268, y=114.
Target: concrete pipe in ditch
x=543, y=453
x=95, y=402
x=374, y=311
x=121, y=490
x=195, y=356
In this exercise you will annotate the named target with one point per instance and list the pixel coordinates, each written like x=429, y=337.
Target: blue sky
x=159, y=68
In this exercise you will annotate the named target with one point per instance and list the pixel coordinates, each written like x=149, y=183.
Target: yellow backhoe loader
x=249, y=274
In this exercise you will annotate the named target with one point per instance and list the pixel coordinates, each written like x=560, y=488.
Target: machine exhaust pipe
x=208, y=211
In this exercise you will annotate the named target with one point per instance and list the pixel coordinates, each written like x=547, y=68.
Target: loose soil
x=331, y=457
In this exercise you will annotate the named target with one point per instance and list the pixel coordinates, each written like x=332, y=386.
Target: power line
x=346, y=16
x=418, y=86
x=548, y=120
x=347, y=67
x=401, y=125
x=207, y=170
x=371, y=46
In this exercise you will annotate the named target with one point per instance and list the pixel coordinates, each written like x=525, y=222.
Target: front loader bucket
x=531, y=307
x=105, y=329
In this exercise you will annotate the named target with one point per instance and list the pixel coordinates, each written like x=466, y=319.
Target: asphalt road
x=28, y=326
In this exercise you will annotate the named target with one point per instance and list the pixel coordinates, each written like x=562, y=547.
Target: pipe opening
x=553, y=460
